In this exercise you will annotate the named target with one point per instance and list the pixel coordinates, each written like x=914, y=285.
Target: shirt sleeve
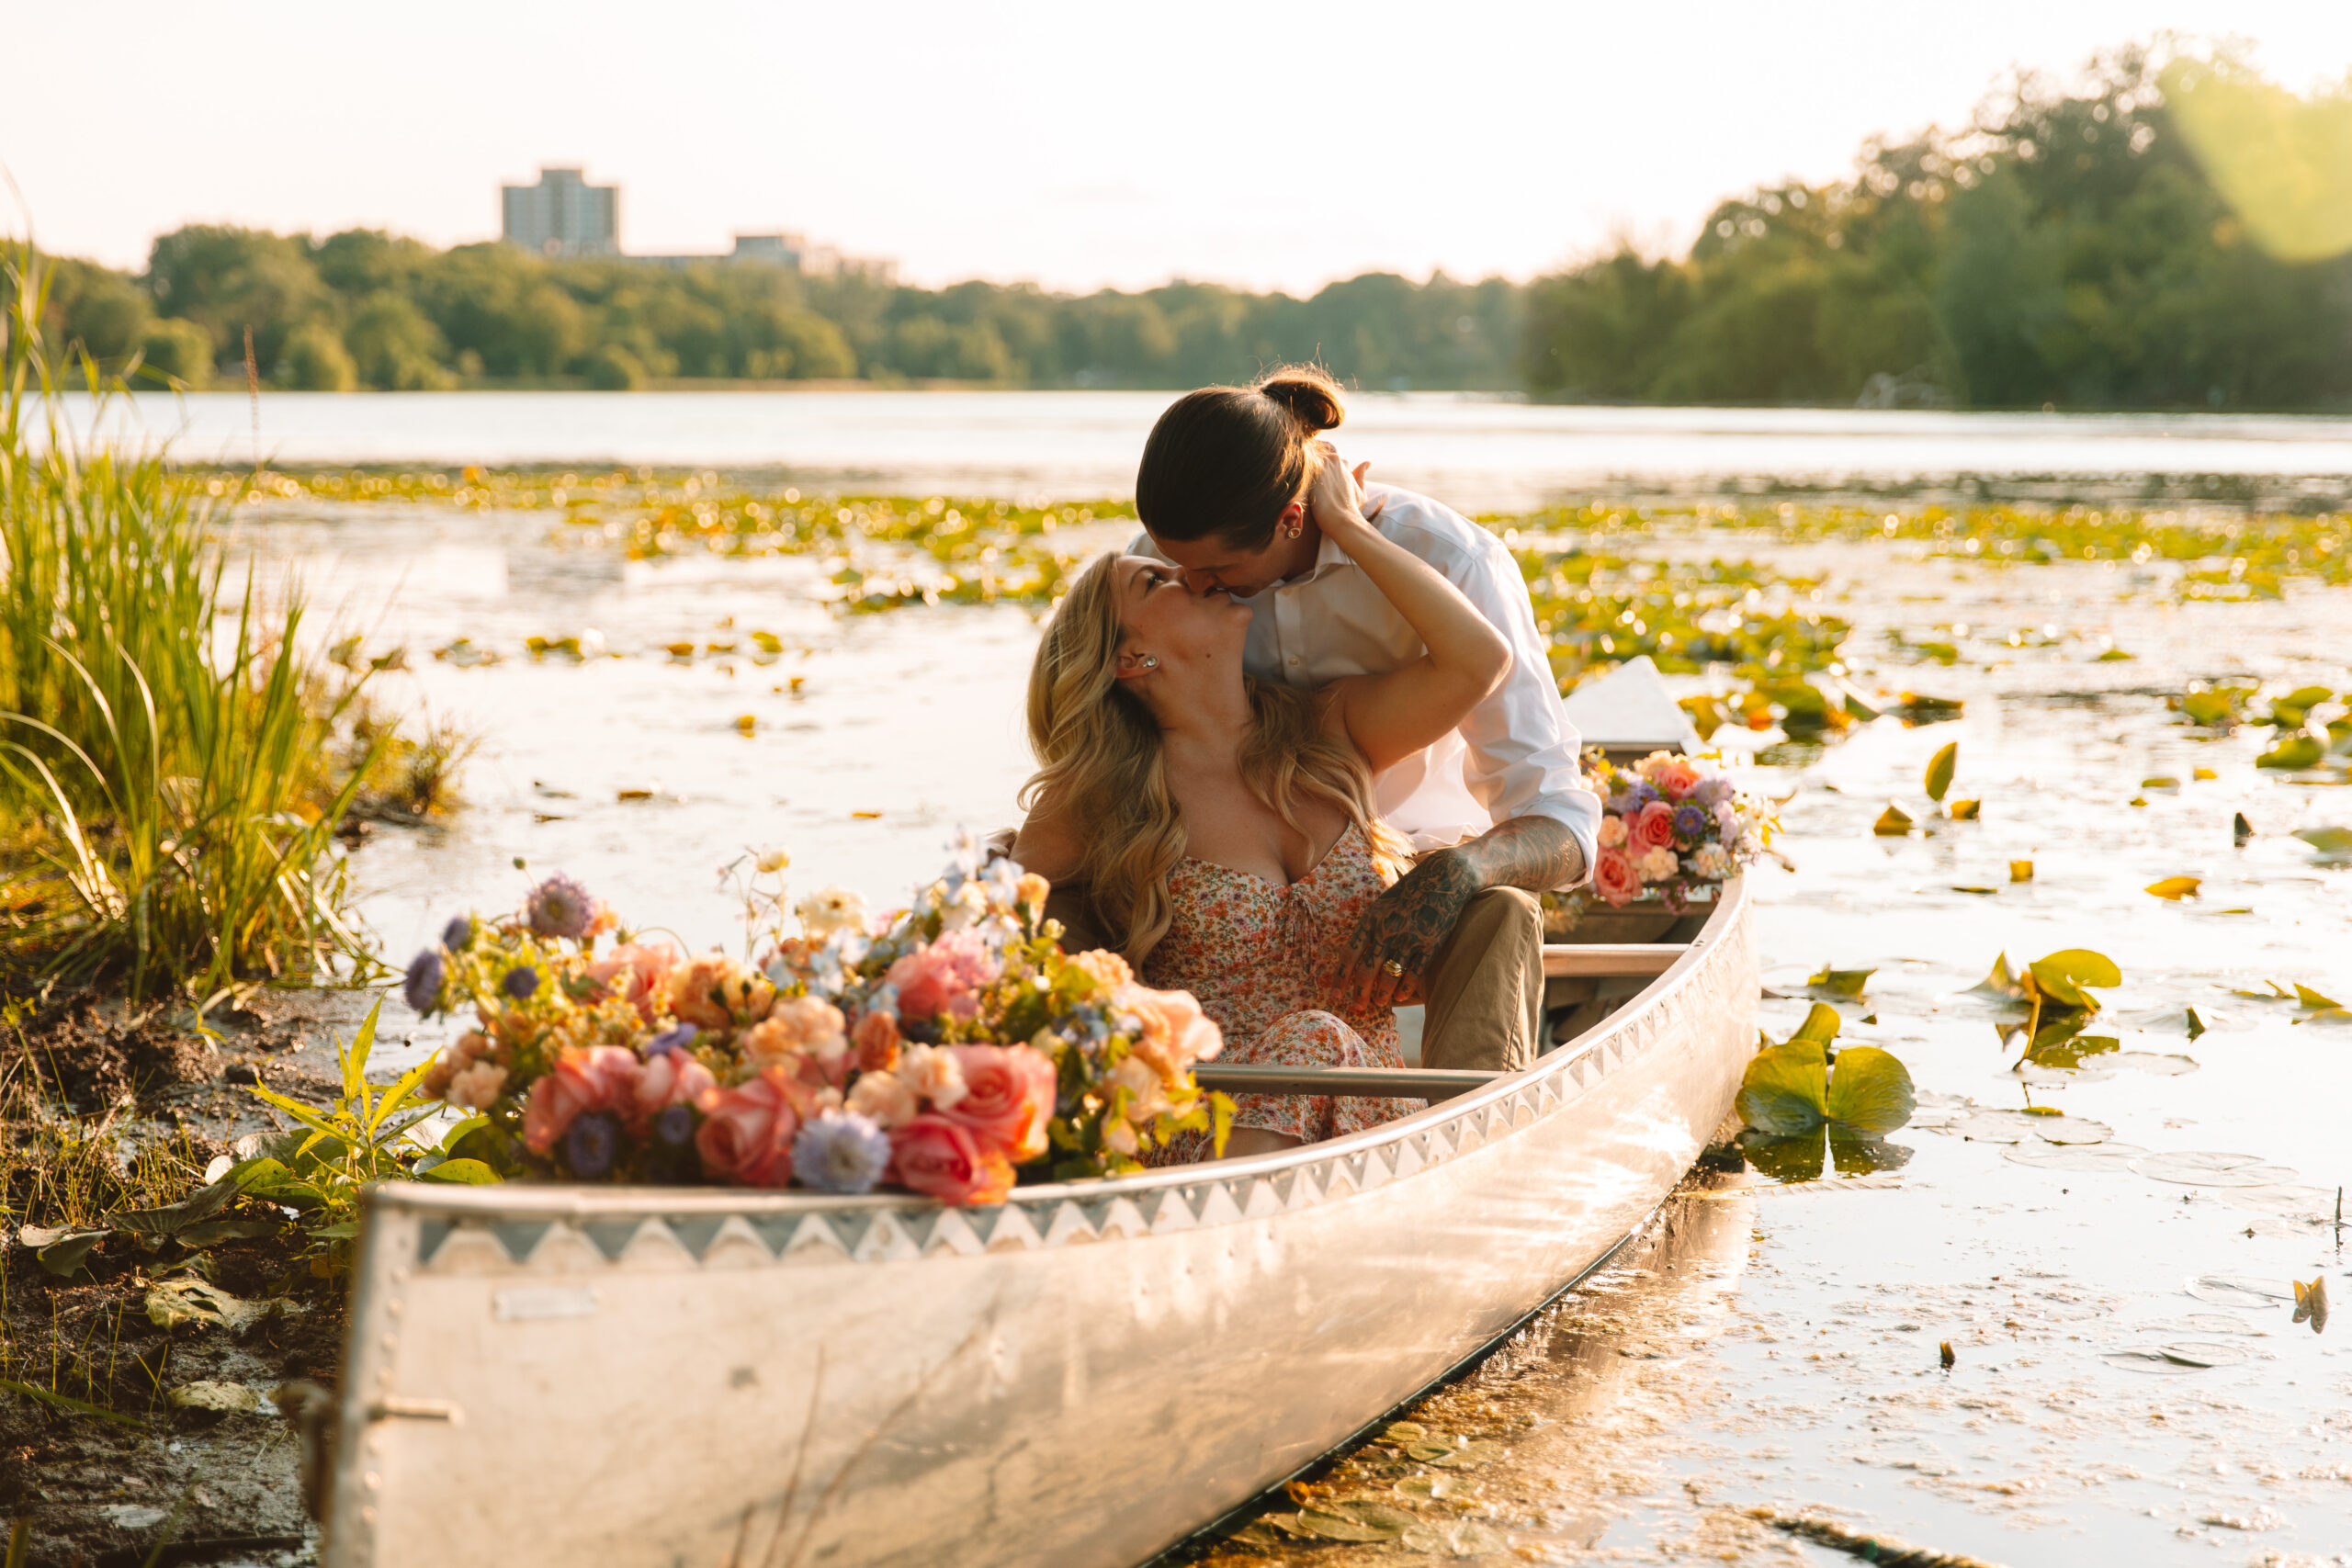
x=1522, y=749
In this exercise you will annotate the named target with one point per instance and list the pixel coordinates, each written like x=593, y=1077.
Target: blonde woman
x=1223, y=829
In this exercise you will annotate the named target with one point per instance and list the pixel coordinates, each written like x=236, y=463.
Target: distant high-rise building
x=562, y=215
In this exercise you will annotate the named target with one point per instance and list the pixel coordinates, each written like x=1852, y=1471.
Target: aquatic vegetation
x=173, y=794
x=1803, y=1094
x=1597, y=609
x=2175, y=888
x=2056, y=987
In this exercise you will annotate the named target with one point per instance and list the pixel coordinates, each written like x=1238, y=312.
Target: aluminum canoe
x=706, y=1378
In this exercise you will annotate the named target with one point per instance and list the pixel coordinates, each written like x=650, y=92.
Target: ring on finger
x=1393, y=969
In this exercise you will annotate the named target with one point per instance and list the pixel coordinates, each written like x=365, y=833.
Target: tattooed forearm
x=1533, y=853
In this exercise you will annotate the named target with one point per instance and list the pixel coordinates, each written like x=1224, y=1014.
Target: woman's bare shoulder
x=1049, y=843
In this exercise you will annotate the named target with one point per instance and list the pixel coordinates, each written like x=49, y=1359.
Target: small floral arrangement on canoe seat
x=1672, y=828
x=947, y=1049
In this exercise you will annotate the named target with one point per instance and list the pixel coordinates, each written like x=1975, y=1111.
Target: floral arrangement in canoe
x=943, y=1050
x=1671, y=825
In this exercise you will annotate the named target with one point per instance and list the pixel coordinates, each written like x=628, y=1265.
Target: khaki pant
x=1486, y=997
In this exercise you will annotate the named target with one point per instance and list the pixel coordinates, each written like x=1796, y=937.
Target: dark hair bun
x=1307, y=393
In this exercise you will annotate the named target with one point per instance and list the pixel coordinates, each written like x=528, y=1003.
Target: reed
x=168, y=775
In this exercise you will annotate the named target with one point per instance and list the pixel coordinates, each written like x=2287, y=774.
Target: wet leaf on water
x=633, y=794
x=1821, y=1024
x=2307, y=997
x=2311, y=1304
x=2277, y=993
x=1870, y=1092
x=2176, y=888
x=1428, y=1451
x=2334, y=843
x=1258, y=1532
x=2016, y=1127
x=2208, y=709
x=2020, y=870
x=1940, y=768
x=2162, y=1063
x=2240, y=828
x=1957, y=888
x=1426, y=1487
x=1331, y=1526
x=1787, y=1160
x=2196, y=1025
x=2241, y=1290
x=2289, y=711
x=1829, y=982
x=2162, y=781
x=1892, y=822
x=1403, y=1432
x=2197, y=1167
x=1471, y=1457
x=767, y=642
x=746, y=723
x=2313, y=1205
x=682, y=651
x=1944, y=1354
x=2067, y=1050
x=2204, y=775
x=1856, y=1155
x=2002, y=982
x=1785, y=1091
x=2188, y=1356
x=865, y=815
x=1965, y=810
x=2293, y=752
x=2084, y=1157
x=2061, y=976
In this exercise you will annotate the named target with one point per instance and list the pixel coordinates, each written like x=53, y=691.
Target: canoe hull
x=674, y=1376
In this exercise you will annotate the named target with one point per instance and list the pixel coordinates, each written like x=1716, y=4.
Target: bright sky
x=1070, y=141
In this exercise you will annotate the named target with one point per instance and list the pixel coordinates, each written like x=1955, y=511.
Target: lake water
x=2129, y=1385
x=1479, y=453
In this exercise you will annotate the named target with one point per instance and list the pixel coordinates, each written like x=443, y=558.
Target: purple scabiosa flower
x=674, y=1126
x=520, y=983
x=1712, y=792
x=840, y=1151
x=1689, y=821
x=458, y=934
x=676, y=1038
x=422, y=986
x=559, y=907
x=591, y=1144
x=1640, y=795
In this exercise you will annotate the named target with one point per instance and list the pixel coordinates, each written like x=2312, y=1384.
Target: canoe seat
x=1609, y=959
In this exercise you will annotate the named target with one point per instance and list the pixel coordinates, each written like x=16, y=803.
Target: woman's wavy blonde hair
x=1101, y=766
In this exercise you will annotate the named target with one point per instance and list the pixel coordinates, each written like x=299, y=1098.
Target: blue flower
x=590, y=1146
x=840, y=1151
x=1689, y=821
x=676, y=1038
x=423, y=987
x=676, y=1125
x=559, y=907
x=1640, y=795
x=458, y=934
x=520, y=983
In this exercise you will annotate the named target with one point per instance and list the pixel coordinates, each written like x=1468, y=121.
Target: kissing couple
x=1300, y=753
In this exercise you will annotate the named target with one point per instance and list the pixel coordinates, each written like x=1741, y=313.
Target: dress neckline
x=1312, y=870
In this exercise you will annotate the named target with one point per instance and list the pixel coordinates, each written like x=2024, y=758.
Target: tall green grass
x=167, y=777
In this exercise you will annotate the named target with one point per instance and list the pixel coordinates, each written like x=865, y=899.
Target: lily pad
x=2017, y=1126
x=1460, y=1538
x=2176, y=888
x=2061, y=976
x=1424, y=1488
x=1940, y=768
x=2315, y=1205
x=1892, y=823
x=2203, y=1168
x=2241, y=1290
x=1345, y=1521
x=2332, y=843
x=2162, y=1063
x=1870, y=1092
x=2084, y=1157
x=1965, y=810
x=1847, y=983
x=1785, y=1091
x=2293, y=752
x=2184, y=1356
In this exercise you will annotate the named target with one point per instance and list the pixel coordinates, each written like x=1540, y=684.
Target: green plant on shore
x=171, y=794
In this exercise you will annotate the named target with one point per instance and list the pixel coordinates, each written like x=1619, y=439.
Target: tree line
x=2066, y=249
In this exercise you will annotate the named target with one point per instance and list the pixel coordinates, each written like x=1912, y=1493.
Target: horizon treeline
x=2065, y=250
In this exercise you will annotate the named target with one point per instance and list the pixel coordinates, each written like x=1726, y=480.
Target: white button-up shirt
x=1514, y=756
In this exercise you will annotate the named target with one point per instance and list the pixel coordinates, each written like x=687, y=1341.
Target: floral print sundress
x=1259, y=955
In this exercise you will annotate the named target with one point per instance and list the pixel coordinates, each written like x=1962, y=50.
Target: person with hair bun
x=1496, y=807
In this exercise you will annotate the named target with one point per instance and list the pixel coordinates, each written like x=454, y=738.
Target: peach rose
x=1176, y=1033
x=1007, y=1098
x=713, y=991
x=462, y=1054
x=1614, y=877
x=941, y=977
x=1032, y=890
x=1109, y=970
x=637, y=973
x=747, y=1132
x=876, y=1038
x=602, y=1077
x=1148, y=1095
x=1675, y=779
x=478, y=1086
x=671, y=1077
x=1653, y=827
x=1612, y=833
x=802, y=1026
x=882, y=1097
x=940, y=1158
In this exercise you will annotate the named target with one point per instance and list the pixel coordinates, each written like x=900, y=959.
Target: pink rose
x=876, y=1038
x=1614, y=877
x=941, y=977
x=1675, y=779
x=637, y=973
x=747, y=1132
x=1176, y=1033
x=938, y=1159
x=1651, y=827
x=671, y=1077
x=1007, y=1098
x=602, y=1077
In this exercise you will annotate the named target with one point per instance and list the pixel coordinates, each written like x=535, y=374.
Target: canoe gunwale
x=1564, y=1073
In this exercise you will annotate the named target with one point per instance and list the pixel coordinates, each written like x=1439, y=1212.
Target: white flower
x=933, y=1075
x=885, y=1097
x=1149, y=1096
x=830, y=909
x=1712, y=864
x=964, y=907
x=965, y=851
x=1657, y=864
x=1612, y=833
x=477, y=1086
x=773, y=860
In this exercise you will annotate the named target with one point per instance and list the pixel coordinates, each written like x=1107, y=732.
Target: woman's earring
x=1149, y=661
x=1297, y=528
